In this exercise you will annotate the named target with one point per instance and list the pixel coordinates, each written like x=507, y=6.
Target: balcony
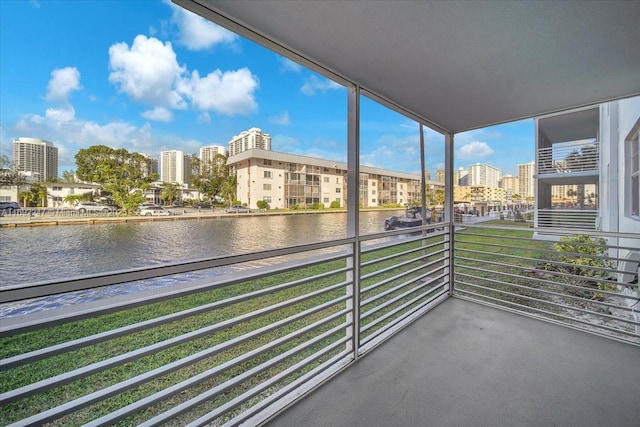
x=460, y=325
x=575, y=157
x=574, y=219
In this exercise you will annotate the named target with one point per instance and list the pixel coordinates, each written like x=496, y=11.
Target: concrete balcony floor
x=466, y=364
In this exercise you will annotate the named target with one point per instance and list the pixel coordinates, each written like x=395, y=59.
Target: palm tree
x=169, y=192
x=26, y=197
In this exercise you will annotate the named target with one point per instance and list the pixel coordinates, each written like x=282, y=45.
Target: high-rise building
x=252, y=138
x=208, y=155
x=440, y=175
x=525, y=179
x=36, y=159
x=174, y=167
x=483, y=174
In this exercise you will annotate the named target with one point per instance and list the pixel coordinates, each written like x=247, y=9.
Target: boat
x=412, y=218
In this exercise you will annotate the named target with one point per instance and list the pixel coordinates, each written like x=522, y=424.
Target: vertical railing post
x=448, y=206
x=353, y=211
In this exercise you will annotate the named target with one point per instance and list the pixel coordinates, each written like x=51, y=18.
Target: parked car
x=237, y=209
x=84, y=207
x=8, y=207
x=177, y=204
x=202, y=205
x=154, y=211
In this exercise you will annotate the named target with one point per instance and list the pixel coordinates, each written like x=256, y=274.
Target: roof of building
x=454, y=65
x=257, y=153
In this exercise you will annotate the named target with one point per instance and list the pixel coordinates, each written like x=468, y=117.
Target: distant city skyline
x=165, y=79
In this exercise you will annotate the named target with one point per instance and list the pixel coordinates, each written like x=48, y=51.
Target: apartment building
x=587, y=169
x=252, y=138
x=286, y=180
x=208, y=155
x=526, y=182
x=483, y=174
x=36, y=159
x=174, y=167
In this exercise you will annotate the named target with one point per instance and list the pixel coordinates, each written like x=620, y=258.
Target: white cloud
x=158, y=114
x=228, y=93
x=282, y=119
x=196, y=33
x=63, y=82
x=147, y=72
x=475, y=149
x=287, y=65
x=63, y=114
x=315, y=84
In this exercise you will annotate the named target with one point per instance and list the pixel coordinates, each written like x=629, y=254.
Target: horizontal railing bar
x=397, y=298
x=534, y=270
x=395, y=266
x=569, y=320
x=71, y=376
x=204, y=420
x=573, y=297
x=390, y=325
x=551, y=303
x=23, y=359
x=558, y=231
x=294, y=385
x=364, y=302
x=549, y=251
x=121, y=413
x=412, y=230
x=546, y=261
x=401, y=275
x=8, y=330
x=547, y=292
x=399, y=254
x=120, y=387
x=401, y=307
x=41, y=289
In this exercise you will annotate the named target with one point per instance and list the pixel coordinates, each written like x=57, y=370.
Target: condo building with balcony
x=36, y=159
x=584, y=168
x=286, y=180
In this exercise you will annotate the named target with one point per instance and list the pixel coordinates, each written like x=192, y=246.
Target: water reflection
x=35, y=254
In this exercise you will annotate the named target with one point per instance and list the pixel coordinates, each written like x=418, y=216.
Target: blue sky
x=149, y=76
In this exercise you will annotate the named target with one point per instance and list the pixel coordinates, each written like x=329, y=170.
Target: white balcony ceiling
x=459, y=65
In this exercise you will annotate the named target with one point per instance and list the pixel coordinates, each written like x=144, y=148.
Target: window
x=56, y=188
x=337, y=190
x=337, y=180
x=267, y=199
x=326, y=179
x=325, y=200
x=266, y=162
x=267, y=174
x=633, y=171
x=266, y=187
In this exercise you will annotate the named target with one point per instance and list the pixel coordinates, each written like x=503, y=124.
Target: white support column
x=448, y=204
x=353, y=223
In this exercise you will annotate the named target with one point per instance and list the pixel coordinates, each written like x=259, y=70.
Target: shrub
x=583, y=253
x=318, y=206
x=261, y=204
x=294, y=207
x=335, y=204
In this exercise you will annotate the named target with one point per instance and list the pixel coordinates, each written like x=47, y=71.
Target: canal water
x=34, y=254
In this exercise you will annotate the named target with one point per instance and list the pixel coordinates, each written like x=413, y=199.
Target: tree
x=10, y=175
x=39, y=192
x=120, y=173
x=209, y=177
x=169, y=192
x=26, y=197
x=68, y=177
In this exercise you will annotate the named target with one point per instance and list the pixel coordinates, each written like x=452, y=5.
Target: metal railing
x=223, y=349
x=575, y=280
x=567, y=157
x=567, y=218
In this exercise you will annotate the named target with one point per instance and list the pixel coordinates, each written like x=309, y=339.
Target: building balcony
x=460, y=325
x=567, y=160
x=574, y=219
